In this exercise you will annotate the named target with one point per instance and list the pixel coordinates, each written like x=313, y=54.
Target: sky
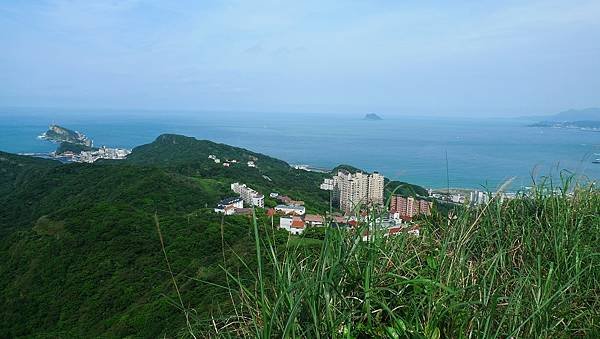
x=468, y=58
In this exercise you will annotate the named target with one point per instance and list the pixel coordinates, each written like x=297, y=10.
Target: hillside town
x=91, y=156
x=352, y=195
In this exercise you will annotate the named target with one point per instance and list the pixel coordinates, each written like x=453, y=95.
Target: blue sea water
x=480, y=152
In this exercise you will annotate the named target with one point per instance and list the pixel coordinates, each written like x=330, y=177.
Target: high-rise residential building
x=425, y=207
x=412, y=208
x=409, y=206
x=250, y=196
x=353, y=189
x=376, y=183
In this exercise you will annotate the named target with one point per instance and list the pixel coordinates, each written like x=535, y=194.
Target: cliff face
x=61, y=134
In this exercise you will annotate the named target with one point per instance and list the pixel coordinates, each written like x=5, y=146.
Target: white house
x=229, y=205
x=291, y=209
x=313, y=220
x=294, y=225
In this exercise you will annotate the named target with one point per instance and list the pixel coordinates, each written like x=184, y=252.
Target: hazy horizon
x=518, y=58
x=41, y=111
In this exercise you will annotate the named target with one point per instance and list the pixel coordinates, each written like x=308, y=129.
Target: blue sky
x=391, y=57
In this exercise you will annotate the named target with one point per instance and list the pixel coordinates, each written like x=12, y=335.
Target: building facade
x=409, y=206
x=290, y=209
x=350, y=190
x=229, y=205
x=250, y=196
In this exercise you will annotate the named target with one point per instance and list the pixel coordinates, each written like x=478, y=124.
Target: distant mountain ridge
x=587, y=119
x=586, y=114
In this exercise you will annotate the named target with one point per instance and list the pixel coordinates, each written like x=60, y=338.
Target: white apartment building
x=290, y=209
x=376, y=184
x=250, y=196
x=353, y=189
x=327, y=184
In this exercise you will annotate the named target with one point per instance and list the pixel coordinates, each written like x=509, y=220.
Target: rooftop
x=229, y=201
x=297, y=223
x=313, y=218
x=291, y=207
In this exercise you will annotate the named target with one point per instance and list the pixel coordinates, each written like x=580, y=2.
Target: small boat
x=597, y=161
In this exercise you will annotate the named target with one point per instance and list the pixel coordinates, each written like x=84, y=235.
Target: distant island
x=75, y=146
x=372, y=117
x=59, y=134
x=584, y=119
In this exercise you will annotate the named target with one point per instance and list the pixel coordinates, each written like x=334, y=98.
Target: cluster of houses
x=297, y=224
x=348, y=189
x=228, y=163
x=471, y=198
x=91, y=156
x=292, y=213
x=229, y=206
x=235, y=205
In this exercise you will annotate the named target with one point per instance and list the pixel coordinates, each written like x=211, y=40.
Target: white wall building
x=290, y=209
x=294, y=225
x=229, y=205
x=250, y=196
x=353, y=189
x=478, y=198
x=327, y=184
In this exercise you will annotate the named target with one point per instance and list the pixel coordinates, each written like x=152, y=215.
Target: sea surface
x=432, y=152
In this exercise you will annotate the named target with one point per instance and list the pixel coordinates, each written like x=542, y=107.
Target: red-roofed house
x=298, y=223
x=294, y=225
x=339, y=219
x=394, y=230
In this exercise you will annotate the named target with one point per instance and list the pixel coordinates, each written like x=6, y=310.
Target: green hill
x=15, y=170
x=188, y=156
x=82, y=256
x=81, y=252
x=74, y=148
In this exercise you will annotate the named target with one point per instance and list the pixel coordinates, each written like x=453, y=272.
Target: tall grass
x=528, y=267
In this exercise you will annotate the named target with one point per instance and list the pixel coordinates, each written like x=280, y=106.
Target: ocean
x=480, y=152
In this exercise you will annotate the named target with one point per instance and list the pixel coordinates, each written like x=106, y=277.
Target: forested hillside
x=81, y=252
x=81, y=255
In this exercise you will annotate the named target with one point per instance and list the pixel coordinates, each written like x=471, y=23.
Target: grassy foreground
x=528, y=267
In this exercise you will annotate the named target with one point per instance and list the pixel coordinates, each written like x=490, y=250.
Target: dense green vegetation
x=188, y=156
x=16, y=170
x=528, y=267
x=404, y=189
x=71, y=147
x=61, y=134
x=82, y=257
